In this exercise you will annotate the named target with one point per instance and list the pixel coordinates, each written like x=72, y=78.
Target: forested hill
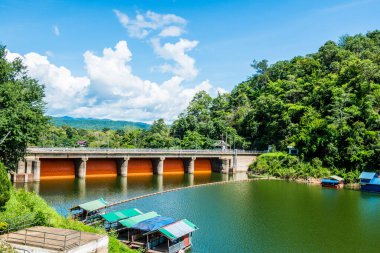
x=97, y=124
x=326, y=104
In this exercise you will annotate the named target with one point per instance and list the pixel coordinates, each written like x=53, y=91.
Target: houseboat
x=90, y=211
x=332, y=182
x=111, y=220
x=172, y=238
x=126, y=231
x=369, y=181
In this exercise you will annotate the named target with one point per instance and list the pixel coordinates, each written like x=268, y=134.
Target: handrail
x=46, y=239
x=125, y=150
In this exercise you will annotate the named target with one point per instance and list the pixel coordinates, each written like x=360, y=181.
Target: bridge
x=43, y=163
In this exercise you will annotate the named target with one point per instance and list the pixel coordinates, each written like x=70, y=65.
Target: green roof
x=120, y=215
x=178, y=229
x=136, y=219
x=94, y=205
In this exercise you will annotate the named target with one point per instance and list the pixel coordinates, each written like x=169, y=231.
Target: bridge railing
x=154, y=151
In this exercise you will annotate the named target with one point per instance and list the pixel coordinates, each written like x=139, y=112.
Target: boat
x=369, y=182
x=332, y=182
x=89, y=212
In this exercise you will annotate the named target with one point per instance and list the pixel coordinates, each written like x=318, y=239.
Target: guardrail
x=154, y=151
x=42, y=239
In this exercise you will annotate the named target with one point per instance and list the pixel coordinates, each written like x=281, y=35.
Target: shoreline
x=309, y=181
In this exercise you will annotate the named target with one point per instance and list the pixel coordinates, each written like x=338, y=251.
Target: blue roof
x=367, y=175
x=153, y=223
x=329, y=181
x=375, y=180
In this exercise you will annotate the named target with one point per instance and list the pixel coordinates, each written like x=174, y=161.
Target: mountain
x=97, y=124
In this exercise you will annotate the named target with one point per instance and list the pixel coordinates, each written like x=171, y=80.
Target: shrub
x=5, y=186
x=3, y=226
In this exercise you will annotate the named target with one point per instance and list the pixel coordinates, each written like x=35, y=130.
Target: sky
x=140, y=60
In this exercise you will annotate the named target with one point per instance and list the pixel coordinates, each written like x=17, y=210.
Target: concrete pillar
x=36, y=187
x=224, y=165
x=122, y=166
x=189, y=165
x=21, y=167
x=80, y=167
x=123, y=183
x=189, y=179
x=234, y=161
x=160, y=183
x=36, y=170
x=29, y=166
x=81, y=186
x=158, y=165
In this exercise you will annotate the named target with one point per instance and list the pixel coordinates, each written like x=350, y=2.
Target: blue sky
x=188, y=46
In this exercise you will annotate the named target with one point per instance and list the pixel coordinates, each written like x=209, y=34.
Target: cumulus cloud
x=184, y=65
x=171, y=31
x=110, y=89
x=56, y=30
x=144, y=24
x=63, y=90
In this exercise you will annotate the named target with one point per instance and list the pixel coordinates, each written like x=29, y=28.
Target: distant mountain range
x=97, y=124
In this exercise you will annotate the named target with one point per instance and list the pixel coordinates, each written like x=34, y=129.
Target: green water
x=256, y=216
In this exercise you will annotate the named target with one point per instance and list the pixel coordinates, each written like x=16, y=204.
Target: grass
x=23, y=203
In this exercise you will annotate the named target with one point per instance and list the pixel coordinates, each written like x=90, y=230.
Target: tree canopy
x=21, y=110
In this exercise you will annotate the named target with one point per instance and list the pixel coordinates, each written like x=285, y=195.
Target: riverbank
x=310, y=181
x=22, y=204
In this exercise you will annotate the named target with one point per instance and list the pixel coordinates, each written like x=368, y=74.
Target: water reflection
x=66, y=192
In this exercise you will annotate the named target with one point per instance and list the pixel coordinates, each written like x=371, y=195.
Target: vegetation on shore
x=283, y=165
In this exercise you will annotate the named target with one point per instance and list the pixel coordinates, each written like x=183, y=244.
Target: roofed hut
x=90, y=211
x=110, y=220
x=126, y=225
x=173, y=237
x=333, y=182
x=369, y=181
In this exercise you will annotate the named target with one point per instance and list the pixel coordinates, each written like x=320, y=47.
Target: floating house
x=110, y=220
x=172, y=238
x=90, y=211
x=142, y=230
x=127, y=230
x=332, y=182
x=369, y=181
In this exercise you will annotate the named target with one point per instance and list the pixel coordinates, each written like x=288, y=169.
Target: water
x=256, y=216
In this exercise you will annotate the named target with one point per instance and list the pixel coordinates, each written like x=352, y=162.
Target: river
x=255, y=216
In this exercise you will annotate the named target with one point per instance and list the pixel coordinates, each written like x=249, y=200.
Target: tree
x=5, y=186
x=21, y=110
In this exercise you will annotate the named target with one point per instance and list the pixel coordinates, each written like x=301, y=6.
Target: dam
x=44, y=163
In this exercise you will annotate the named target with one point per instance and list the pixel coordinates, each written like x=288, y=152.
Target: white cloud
x=221, y=91
x=184, y=65
x=119, y=94
x=56, y=30
x=110, y=89
x=171, y=31
x=144, y=24
x=63, y=90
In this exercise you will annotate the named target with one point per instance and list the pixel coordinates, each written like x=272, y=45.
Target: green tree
x=21, y=110
x=5, y=186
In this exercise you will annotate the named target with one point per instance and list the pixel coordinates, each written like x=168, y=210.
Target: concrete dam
x=44, y=163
